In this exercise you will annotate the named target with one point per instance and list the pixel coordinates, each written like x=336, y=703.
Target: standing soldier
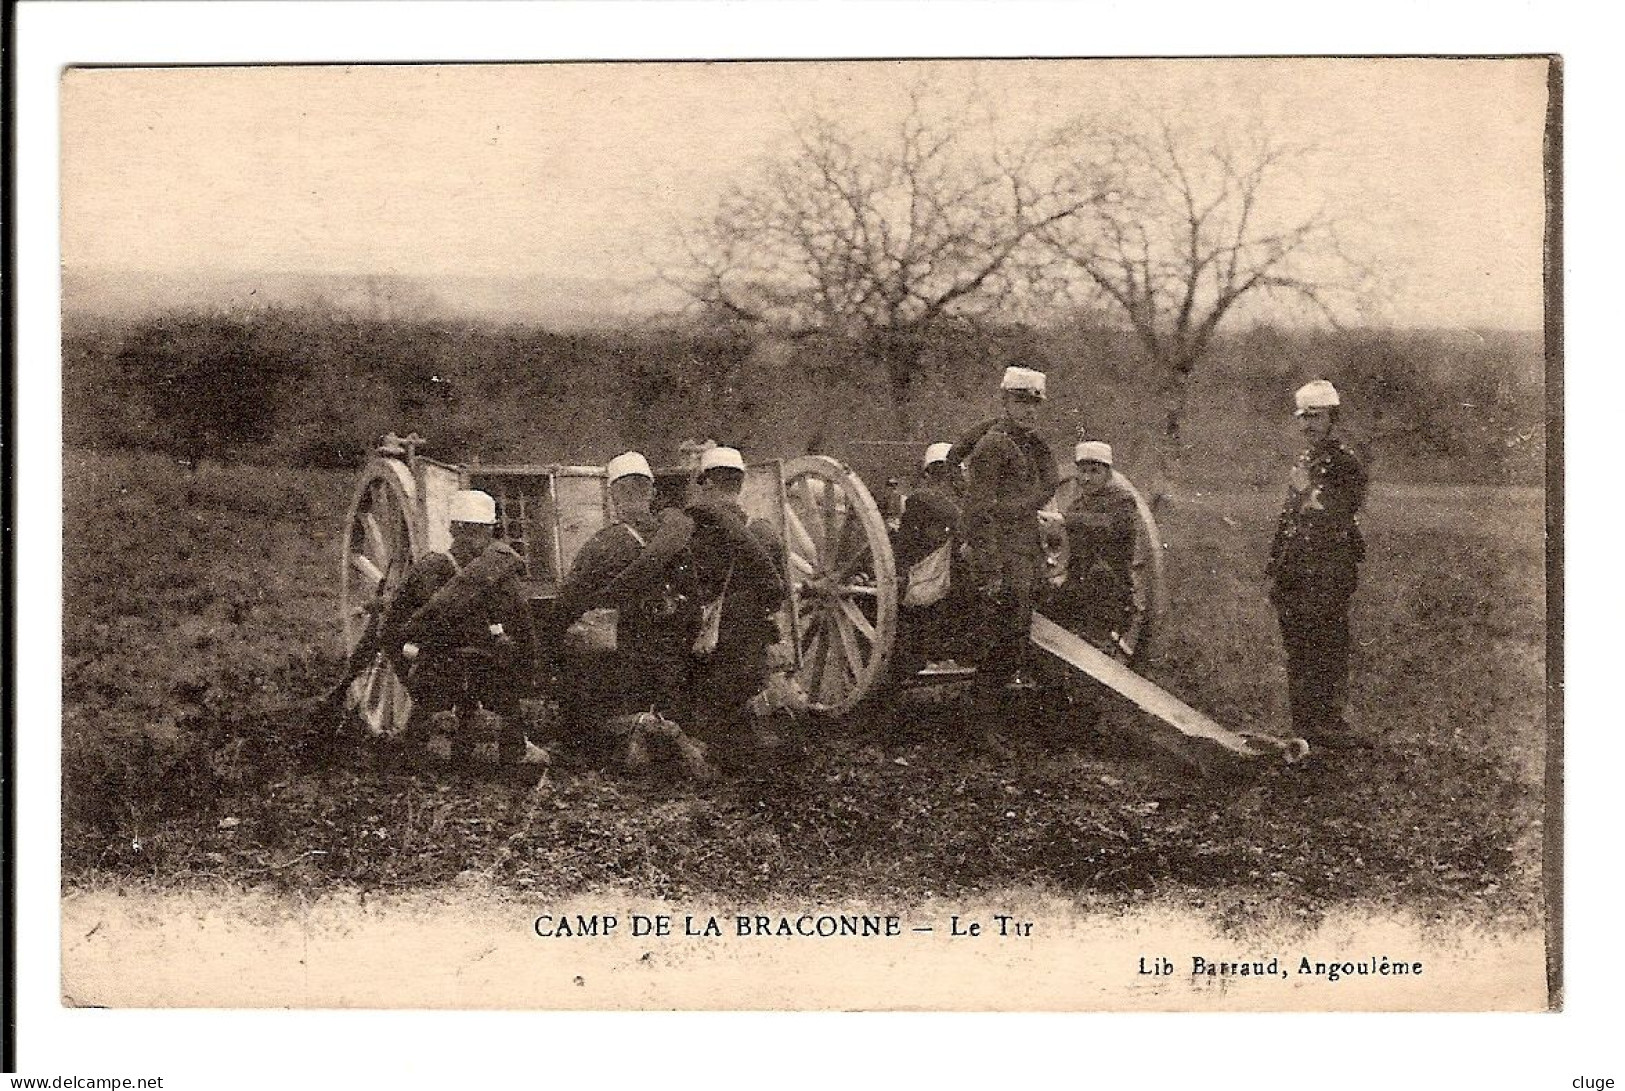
x=461, y=633
x=637, y=566
x=1097, y=599
x=740, y=581
x=1010, y=476
x=1314, y=565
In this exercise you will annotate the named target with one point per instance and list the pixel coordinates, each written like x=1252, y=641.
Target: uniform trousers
x=462, y=679
x=1317, y=641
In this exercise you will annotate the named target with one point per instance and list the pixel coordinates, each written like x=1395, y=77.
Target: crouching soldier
x=1097, y=599
x=637, y=566
x=738, y=571
x=1010, y=476
x=461, y=633
x=927, y=541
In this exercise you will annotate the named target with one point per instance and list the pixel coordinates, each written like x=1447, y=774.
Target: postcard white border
x=682, y=1050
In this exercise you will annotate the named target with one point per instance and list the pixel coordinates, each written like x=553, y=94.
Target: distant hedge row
x=316, y=387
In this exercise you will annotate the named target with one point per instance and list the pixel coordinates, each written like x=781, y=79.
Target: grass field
x=200, y=610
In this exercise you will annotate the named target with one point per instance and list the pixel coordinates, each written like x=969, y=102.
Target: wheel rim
x=1150, y=584
x=380, y=542
x=844, y=581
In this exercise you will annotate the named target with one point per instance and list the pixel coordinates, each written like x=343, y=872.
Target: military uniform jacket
x=1318, y=545
x=652, y=614
x=448, y=603
x=740, y=561
x=1011, y=474
x=1100, y=529
x=931, y=517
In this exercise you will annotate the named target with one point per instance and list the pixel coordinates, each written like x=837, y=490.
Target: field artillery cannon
x=838, y=628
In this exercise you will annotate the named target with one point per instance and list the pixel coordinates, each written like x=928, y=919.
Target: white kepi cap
x=937, y=452
x=630, y=464
x=1093, y=451
x=1315, y=394
x=473, y=506
x=722, y=457
x=1023, y=380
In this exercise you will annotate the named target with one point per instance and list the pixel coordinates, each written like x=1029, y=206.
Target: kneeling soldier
x=461, y=633
x=926, y=545
x=1097, y=599
x=738, y=569
x=637, y=565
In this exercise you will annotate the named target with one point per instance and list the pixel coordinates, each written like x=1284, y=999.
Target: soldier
x=1010, y=476
x=739, y=575
x=461, y=633
x=1314, y=565
x=927, y=541
x=638, y=566
x=1097, y=599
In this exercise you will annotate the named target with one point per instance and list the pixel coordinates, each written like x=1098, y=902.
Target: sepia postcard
x=1062, y=535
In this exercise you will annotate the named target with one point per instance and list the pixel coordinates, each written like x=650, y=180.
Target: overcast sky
x=573, y=170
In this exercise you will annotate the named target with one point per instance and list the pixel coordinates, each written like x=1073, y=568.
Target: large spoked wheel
x=380, y=543
x=843, y=582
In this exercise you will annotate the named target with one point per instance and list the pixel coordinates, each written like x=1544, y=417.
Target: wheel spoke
x=818, y=512
x=362, y=564
x=834, y=518
x=800, y=541
x=849, y=646
x=855, y=618
x=831, y=665
x=377, y=548
x=816, y=659
x=812, y=508
x=852, y=559
x=867, y=590
x=809, y=618
x=799, y=565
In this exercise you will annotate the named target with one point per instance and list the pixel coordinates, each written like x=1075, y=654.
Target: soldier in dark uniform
x=739, y=576
x=925, y=548
x=1314, y=566
x=1010, y=476
x=461, y=634
x=1097, y=599
x=636, y=565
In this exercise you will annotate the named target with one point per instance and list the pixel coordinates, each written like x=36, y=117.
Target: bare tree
x=872, y=243
x=1193, y=232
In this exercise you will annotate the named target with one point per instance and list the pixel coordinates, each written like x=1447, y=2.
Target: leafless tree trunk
x=874, y=243
x=1189, y=235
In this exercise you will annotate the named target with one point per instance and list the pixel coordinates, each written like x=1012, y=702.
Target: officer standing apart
x=739, y=578
x=1314, y=566
x=1010, y=476
x=1097, y=600
x=461, y=635
x=636, y=565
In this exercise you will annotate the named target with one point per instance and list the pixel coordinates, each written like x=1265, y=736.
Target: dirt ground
x=201, y=614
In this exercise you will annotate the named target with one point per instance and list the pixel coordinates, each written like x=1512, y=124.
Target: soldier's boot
x=510, y=733
x=462, y=738
x=510, y=744
x=636, y=754
x=403, y=751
